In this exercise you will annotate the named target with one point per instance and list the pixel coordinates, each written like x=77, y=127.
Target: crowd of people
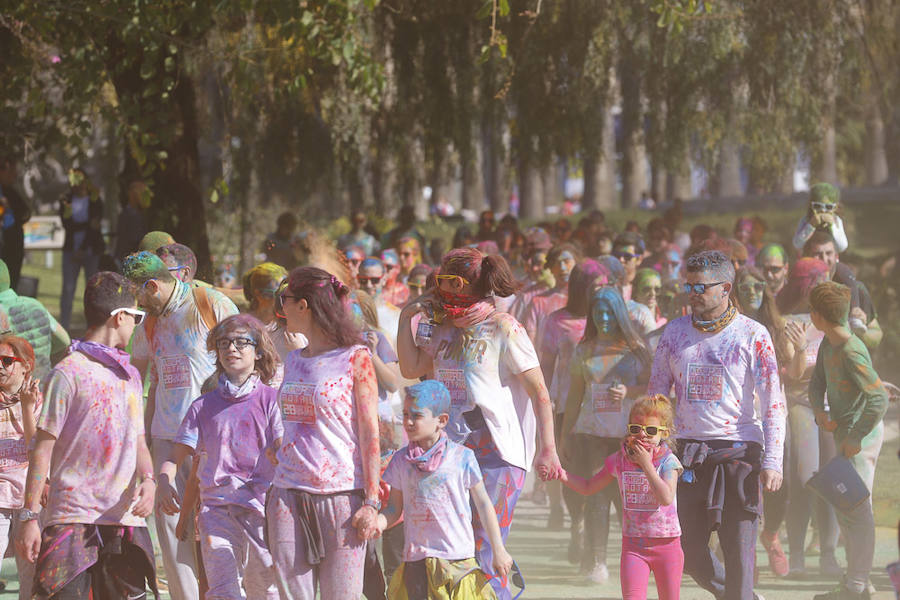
x=389, y=386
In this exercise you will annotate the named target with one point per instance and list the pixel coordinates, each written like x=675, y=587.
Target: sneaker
x=829, y=567
x=796, y=573
x=842, y=593
x=599, y=574
x=778, y=561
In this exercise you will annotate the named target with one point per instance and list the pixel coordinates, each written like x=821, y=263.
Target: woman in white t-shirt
x=488, y=363
x=323, y=503
x=609, y=371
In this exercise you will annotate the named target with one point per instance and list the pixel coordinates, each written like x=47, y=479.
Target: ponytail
x=496, y=277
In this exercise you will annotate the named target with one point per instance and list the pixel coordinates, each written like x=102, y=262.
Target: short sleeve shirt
x=96, y=417
x=437, y=515
x=643, y=516
x=13, y=455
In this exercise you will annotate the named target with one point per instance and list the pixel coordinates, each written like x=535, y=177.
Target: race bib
x=298, y=402
x=812, y=352
x=175, y=372
x=636, y=493
x=705, y=383
x=455, y=382
x=602, y=402
x=13, y=454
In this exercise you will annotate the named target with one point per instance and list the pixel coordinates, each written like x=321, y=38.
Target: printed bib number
x=705, y=383
x=602, y=402
x=175, y=372
x=13, y=454
x=812, y=352
x=455, y=382
x=636, y=493
x=298, y=402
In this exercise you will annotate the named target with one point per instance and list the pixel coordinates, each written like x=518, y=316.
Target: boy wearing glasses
x=172, y=343
x=90, y=437
x=718, y=360
x=822, y=216
x=629, y=249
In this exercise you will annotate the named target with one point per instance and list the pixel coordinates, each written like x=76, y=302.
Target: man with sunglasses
x=172, y=342
x=772, y=261
x=28, y=318
x=371, y=280
x=92, y=539
x=719, y=362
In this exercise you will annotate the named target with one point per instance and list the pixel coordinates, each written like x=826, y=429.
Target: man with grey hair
x=716, y=359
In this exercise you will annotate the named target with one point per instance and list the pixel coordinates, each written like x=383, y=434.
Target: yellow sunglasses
x=452, y=277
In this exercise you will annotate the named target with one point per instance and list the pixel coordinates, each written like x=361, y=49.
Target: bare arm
x=587, y=487
x=167, y=499
x=663, y=488
x=146, y=488
x=392, y=512
x=548, y=462
x=502, y=560
x=28, y=543
x=365, y=392
x=414, y=361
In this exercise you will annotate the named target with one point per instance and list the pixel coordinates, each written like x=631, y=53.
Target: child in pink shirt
x=647, y=472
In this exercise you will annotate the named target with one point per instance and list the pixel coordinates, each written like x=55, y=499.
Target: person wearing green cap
x=27, y=318
x=822, y=215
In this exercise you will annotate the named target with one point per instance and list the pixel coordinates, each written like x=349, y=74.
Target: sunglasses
x=176, y=268
x=417, y=286
x=626, y=255
x=656, y=289
x=373, y=280
x=651, y=430
x=451, y=278
x=773, y=269
x=822, y=207
x=238, y=343
x=288, y=297
x=7, y=361
x=752, y=287
x=700, y=288
x=137, y=314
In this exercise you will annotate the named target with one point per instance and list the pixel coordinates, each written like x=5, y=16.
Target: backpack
x=203, y=304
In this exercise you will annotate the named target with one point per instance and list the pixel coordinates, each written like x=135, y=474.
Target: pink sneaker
x=778, y=562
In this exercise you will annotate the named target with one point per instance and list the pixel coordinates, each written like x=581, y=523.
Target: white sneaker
x=599, y=574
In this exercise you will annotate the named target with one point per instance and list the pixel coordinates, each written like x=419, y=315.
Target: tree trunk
x=678, y=185
x=531, y=205
x=550, y=188
x=729, y=170
x=826, y=166
x=473, y=192
x=875, y=156
x=495, y=141
x=634, y=153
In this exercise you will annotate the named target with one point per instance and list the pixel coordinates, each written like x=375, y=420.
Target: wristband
x=376, y=504
x=148, y=476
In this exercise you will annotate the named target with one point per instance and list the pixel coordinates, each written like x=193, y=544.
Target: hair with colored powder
x=820, y=237
x=614, y=266
x=582, y=280
x=771, y=251
x=628, y=332
x=412, y=243
x=432, y=395
x=629, y=238
x=141, y=267
x=421, y=269
x=267, y=358
x=487, y=274
x=155, y=240
x=326, y=297
x=264, y=277
x=4, y=276
x=372, y=262
x=367, y=309
x=21, y=349
x=738, y=250
x=105, y=292
x=643, y=275
x=804, y=275
x=181, y=255
x=718, y=264
x=832, y=301
x=558, y=250
x=825, y=193
x=659, y=406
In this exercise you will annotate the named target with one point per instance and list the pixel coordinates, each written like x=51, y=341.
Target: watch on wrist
x=27, y=515
x=376, y=504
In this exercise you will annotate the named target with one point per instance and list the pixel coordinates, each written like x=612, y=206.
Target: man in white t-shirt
x=718, y=361
x=172, y=344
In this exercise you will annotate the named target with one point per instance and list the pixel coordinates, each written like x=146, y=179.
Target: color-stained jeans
x=858, y=524
x=810, y=447
x=503, y=483
x=339, y=576
x=8, y=532
x=588, y=457
x=234, y=554
x=663, y=556
x=178, y=557
x=737, y=535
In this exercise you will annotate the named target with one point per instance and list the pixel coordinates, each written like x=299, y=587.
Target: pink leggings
x=663, y=556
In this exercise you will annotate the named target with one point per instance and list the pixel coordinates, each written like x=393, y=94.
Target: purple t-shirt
x=233, y=433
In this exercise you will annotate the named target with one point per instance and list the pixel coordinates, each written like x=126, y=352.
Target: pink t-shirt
x=13, y=455
x=437, y=516
x=540, y=308
x=559, y=335
x=96, y=416
x=643, y=516
x=320, y=453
